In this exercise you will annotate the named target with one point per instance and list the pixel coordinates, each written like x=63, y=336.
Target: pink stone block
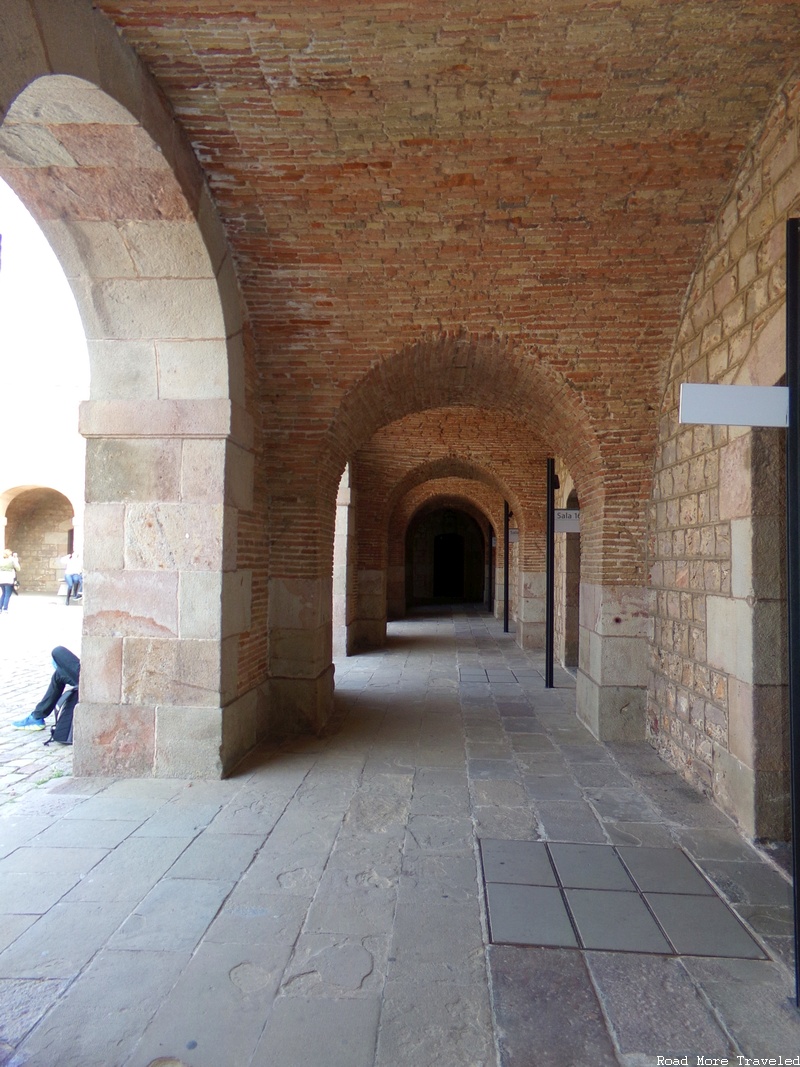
x=114, y=740
x=183, y=673
x=101, y=669
x=133, y=603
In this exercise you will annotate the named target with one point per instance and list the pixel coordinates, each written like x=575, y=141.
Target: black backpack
x=61, y=730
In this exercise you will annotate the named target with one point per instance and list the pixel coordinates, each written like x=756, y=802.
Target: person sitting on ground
x=67, y=673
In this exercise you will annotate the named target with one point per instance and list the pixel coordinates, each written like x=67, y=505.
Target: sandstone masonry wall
x=704, y=517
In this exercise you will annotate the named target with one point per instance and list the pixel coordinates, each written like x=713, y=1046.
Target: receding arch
x=445, y=553
x=436, y=474
x=429, y=487
x=493, y=373
x=449, y=371
x=460, y=496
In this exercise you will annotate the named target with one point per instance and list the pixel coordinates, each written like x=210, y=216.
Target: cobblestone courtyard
x=33, y=626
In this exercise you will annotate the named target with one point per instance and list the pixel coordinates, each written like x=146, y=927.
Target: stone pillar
x=343, y=553
x=163, y=602
x=531, y=610
x=747, y=641
x=613, y=666
x=301, y=671
x=368, y=629
x=396, y=574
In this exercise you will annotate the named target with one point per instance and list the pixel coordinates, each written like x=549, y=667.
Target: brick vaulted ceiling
x=544, y=170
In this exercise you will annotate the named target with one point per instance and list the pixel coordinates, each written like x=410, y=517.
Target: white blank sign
x=734, y=405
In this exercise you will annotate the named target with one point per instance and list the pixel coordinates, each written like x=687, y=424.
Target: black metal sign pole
x=549, y=623
x=505, y=566
x=793, y=555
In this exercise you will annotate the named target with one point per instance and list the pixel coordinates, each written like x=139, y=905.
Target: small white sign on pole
x=734, y=405
x=568, y=520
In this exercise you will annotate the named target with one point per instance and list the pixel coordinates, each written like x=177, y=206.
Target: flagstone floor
x=456, y=875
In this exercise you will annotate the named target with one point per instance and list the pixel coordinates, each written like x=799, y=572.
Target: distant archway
x=445, y=558
x=39, y=528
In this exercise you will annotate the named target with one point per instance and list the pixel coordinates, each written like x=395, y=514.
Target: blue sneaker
x=29, y=723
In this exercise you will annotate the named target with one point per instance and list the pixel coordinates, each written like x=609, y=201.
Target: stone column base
x=530, y=635
x=611, y=712
x=364, y=635
x=300, y=705
x=126, y=741
x=758, y=801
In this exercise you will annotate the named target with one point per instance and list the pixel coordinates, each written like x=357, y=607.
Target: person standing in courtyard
x=73, y=575
x=9, y=569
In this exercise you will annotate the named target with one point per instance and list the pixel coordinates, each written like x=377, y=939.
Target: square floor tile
x=521, y=724
x=530, y=742
x=618, y=922
x=518, y=709
x=590, y=867
x=521, y=862
x=491, y=768
x=528, y=915
x=702, y=926
x=663, y=870
x=500, y=674
x=551, y=787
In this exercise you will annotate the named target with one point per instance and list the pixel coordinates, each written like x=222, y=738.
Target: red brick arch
x=430, y=475
x=476, y=499
x=492, y=373
x=461, y=370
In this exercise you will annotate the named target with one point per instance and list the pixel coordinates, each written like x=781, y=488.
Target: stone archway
x=39, y=525
x=477, y=500
x=166, y=607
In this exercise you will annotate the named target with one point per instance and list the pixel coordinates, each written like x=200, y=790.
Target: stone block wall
x=717, y=696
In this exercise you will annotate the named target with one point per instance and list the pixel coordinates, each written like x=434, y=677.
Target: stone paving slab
x=546, y=1009
x=451, y=1026
x=633, y=991
x=99, y=1019
x=322, y=907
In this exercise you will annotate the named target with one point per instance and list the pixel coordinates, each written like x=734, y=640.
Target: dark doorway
x=448, y=565
x=445, y=558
